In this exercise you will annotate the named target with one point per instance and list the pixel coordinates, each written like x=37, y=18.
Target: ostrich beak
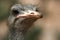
x=29, y=14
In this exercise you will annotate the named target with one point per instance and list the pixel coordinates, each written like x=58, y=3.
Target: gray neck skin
x=19, y=35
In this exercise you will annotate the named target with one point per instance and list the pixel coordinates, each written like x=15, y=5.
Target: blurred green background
x=5, y=8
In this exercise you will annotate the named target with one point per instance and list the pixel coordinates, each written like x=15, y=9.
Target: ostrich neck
x=19, y=35
x=16, y=36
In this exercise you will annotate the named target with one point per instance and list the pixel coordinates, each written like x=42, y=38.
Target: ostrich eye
x=15, y=12
x=37, y=10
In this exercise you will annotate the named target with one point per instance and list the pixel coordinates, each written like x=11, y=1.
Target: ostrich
x=21, y=18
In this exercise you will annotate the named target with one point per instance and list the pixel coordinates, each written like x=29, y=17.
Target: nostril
x=32, y=13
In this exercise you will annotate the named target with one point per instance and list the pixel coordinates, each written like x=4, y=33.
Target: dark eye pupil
x=15, y=12
x=37, y=10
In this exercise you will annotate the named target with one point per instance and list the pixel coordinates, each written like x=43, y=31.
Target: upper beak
x=29, y=14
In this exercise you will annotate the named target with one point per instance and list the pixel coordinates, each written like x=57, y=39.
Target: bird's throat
x=27, y=23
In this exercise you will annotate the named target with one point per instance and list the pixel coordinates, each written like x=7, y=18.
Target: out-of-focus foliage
x=33, y=34
x=5, y=7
